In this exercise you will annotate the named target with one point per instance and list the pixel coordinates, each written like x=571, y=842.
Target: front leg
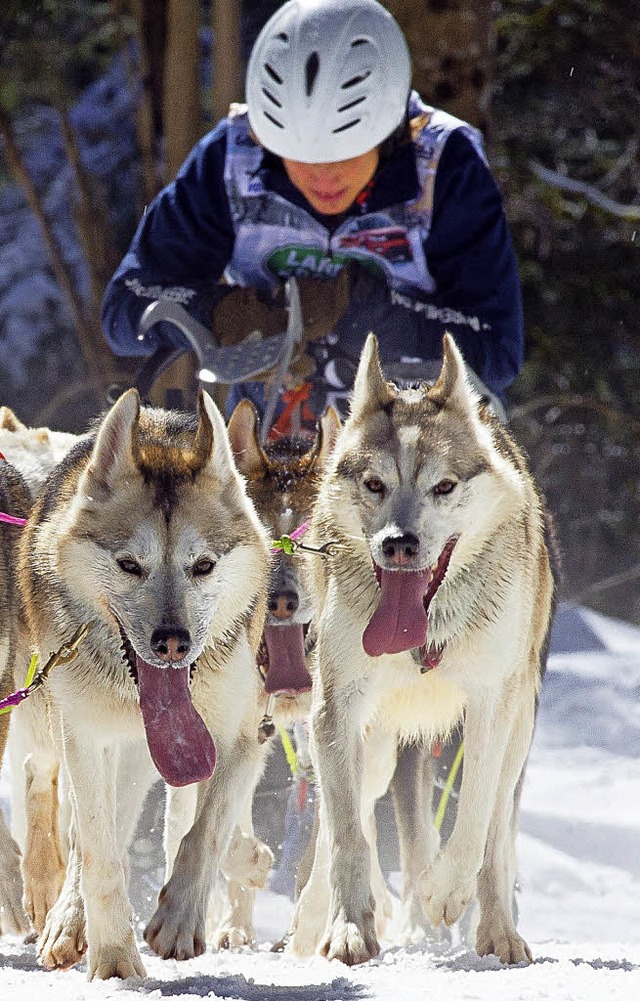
x=497, y=932
x=177, y=929
x=450, y=883
x=412, y=793
x=63, y=941
x=35, y=758
x=338, y=752
x=13, y=920
x=92, y=773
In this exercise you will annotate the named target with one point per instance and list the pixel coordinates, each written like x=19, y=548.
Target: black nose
x=170, y=643
x=283, y=604
x=400, y=549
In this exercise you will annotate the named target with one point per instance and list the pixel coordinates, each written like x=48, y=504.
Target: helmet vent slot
x=271, y=97
x=358, y=41
x=356, y=79
x=282, y=36
x=352, y=104
x=274, y=121
x=311, y=71
x=347, y=125
x=272, y=73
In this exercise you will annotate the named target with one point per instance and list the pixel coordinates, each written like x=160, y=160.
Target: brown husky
x=145, y=533
x=438, y=606
x=282, y=480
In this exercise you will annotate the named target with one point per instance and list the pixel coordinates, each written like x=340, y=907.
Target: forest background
x=101, y=101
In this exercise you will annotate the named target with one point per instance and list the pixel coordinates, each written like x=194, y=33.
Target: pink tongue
x=179, y=742
x=287, y=670
x=400, y=621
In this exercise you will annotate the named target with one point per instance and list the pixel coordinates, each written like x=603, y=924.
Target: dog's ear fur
x=113, y=450
x=329, y=427
x=9, y=421
x=452, y=386
x=371, y=391
x=221, y=461
x=245, y=443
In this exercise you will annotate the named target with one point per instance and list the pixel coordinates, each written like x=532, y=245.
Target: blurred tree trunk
x=227, y=75
x=182, y=110
x=452, y=49
x=152, y=15
x=139, y=78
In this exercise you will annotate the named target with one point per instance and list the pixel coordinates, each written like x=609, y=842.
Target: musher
x=337, y=172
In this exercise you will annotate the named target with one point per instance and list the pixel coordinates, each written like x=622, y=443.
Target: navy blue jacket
x=185, y=239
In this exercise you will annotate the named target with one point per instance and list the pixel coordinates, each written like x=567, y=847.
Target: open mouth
x=282, y=659
x=400, y=621
x=180, y=745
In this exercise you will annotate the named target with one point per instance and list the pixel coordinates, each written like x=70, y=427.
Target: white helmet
x=327, y=79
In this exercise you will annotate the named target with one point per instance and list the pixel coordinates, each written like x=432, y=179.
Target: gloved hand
x=240, y=311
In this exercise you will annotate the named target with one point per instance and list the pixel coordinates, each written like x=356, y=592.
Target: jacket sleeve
x=471, y=258
x=180, y=250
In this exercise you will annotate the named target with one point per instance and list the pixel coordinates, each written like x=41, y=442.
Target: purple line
x=12, y=520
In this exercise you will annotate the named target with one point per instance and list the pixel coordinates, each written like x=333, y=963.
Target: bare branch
x=631, y=213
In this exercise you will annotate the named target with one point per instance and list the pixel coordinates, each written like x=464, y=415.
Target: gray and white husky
x=436, y=608
x=145, y=532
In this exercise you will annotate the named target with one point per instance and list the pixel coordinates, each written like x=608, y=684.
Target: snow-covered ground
x=579, y=861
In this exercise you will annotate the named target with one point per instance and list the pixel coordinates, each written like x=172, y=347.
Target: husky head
x=163, y=543
x=419, y=483
x=33, y=451
x=283, y=480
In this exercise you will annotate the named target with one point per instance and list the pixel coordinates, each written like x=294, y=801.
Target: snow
x=579, y=872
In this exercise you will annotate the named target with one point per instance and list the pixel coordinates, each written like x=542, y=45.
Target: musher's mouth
x=180, y=745
x=400, y=621
x=282, y=656
x=326, y=197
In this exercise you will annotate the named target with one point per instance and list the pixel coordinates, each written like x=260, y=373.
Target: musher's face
x=332, y=187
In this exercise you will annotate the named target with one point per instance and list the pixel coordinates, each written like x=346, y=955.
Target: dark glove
x=240, y=311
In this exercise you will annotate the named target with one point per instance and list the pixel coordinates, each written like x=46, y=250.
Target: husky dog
x=33, y=451
x=282, y=479
x=437, y=607
x=16, y=502
x=33, y=755
x=145, y=533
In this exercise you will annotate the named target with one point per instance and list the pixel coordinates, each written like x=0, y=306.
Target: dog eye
x=130, y=567
x=203, y=567
x=443, y=487
x=375, y=485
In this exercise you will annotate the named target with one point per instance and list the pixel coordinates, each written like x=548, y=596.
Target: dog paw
x=445, y=891
x=502, y=941
x=108, y=960
x=383, y=912
x=351, y=942
x=307, y=924
x=42, y=886
x=248, y=861
x=415, y=926
x=63, y=942
x=232, y=938
x=175, y=931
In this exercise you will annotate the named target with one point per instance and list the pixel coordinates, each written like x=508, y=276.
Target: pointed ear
x=243, y=438
x=371, y=391
x=9, y=421
x=329, y=429
x=221, y=458
x=452, y=385
x=112, y=454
